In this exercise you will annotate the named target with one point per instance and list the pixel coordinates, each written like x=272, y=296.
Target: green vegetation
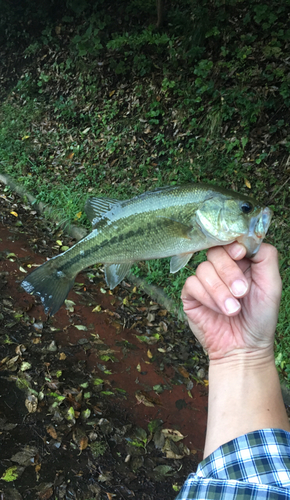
x=10, y=474
x=98, y=448
x=107, y=104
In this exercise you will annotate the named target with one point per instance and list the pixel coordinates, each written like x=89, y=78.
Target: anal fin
x=114, y=273
x=179, y=261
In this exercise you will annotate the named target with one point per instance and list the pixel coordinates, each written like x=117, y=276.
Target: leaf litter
x=87, y=409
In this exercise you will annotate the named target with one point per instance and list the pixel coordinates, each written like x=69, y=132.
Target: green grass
x=283, y=329
x=108, y=105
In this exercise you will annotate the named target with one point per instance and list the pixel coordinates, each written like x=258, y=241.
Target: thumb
x=265, y=271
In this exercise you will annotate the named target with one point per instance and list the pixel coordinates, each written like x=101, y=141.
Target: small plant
x=98, y=448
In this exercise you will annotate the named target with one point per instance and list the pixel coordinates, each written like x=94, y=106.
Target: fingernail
x=232, y=305
x=238, y=250
x=239, y=288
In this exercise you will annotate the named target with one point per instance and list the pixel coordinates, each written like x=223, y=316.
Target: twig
x=275, y=194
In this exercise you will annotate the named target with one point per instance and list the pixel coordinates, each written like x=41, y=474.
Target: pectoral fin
x=176, y=228
x=179, y=261
x=114, y=273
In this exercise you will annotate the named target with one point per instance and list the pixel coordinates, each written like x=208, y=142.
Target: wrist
x=242, y=369
x=244, y=396
x=245, y=357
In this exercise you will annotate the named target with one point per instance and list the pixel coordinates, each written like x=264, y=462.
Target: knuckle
x=188, y=287
x=217, y=285
x=272, y=251
x=228, y=268
x=275, y=253
x=188, y=283
x=203, y=268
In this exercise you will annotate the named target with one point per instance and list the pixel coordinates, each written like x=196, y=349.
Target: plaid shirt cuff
x=256, y=465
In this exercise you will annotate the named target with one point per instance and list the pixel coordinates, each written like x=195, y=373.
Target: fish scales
x=139, y=221
x=114, y=244
x=172, y=221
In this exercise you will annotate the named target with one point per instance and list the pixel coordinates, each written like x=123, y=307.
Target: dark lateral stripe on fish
x=115, y=239
x=169, y=221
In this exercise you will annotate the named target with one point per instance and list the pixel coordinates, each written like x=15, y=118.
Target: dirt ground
x=105, y=400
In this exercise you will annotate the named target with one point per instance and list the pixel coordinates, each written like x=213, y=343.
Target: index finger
x=236, y=250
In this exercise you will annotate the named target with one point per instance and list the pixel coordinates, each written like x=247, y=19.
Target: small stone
x=201, y=373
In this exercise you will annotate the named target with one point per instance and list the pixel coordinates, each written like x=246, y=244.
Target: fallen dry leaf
x=173, y=434
x=26, y=456
x=20, y=349
x=183, y=372
x=83, y=443
x=46, y=493
x=146, y=399
x=31, y=403
x=11, y=362
x=51, y=431
x=142, y=399
x=3, y=361
x=149, y=354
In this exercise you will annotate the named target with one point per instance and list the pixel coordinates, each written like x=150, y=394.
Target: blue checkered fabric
x=255, y=466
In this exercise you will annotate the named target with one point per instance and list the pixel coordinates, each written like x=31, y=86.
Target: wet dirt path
x=97, y=333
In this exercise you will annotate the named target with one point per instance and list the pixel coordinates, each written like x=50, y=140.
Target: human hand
x=232, y=303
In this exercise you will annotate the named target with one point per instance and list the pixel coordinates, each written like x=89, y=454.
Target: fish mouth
x=258, y=228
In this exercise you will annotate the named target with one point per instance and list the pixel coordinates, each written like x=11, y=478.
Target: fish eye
x=246, y=207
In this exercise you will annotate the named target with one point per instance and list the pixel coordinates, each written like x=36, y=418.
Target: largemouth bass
x=167, y=222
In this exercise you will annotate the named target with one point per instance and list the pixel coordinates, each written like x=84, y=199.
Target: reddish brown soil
x=127, y=386
x=190, y=420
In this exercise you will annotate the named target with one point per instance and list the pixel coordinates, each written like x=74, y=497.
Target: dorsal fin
x=96, y=208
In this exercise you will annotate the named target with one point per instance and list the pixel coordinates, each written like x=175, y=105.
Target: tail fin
x=50, y=284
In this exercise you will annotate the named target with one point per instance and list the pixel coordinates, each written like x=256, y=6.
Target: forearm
x=244, y=395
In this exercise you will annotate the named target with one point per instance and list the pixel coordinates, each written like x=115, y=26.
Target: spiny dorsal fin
x=96, y=208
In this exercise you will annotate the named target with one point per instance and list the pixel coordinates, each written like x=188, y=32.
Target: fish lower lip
x=265, y=216
x=253, y=223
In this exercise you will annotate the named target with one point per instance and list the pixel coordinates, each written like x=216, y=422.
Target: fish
x=172, y=221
